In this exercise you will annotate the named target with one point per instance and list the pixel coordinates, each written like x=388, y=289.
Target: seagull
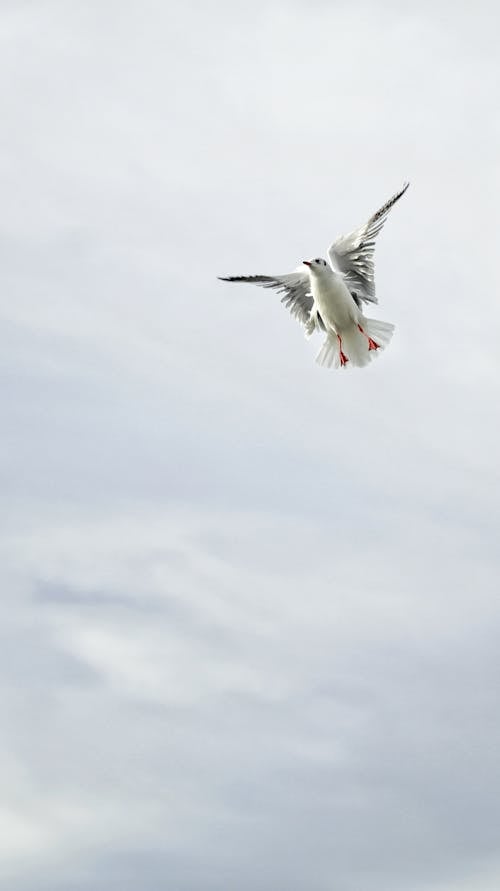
x=329, y=296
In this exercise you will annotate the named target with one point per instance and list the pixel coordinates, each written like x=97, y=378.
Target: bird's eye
x=317, y=260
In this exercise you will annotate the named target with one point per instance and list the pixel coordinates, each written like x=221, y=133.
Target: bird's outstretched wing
x=352, y=255
x=295, y=288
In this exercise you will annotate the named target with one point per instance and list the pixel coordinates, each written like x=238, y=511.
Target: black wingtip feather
x=382, y=211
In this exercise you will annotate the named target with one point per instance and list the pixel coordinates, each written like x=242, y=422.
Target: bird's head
x=317, y=266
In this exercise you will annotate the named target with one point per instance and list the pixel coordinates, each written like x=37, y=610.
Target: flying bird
x=329, y=296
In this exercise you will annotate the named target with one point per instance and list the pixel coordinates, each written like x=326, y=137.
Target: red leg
x=343, y=358
x=372, y=345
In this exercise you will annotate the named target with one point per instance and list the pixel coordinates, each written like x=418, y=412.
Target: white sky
x=249, y=609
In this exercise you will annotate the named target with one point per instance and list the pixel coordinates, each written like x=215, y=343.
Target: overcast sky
x=249, y=606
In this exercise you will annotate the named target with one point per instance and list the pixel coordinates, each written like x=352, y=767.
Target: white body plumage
x=350, y=336
x=332, y=298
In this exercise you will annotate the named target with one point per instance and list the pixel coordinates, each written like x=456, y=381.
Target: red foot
x=372, y=345
x=343, y=358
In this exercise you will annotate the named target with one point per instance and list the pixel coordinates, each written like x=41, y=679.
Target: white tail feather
x=355, y=347
x=355, y=343
x=329, y=354
x=381, y=332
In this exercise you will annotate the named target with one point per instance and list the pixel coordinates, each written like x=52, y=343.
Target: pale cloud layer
x=249, y=608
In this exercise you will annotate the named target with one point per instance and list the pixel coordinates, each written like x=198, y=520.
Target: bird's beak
x=306, y=262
